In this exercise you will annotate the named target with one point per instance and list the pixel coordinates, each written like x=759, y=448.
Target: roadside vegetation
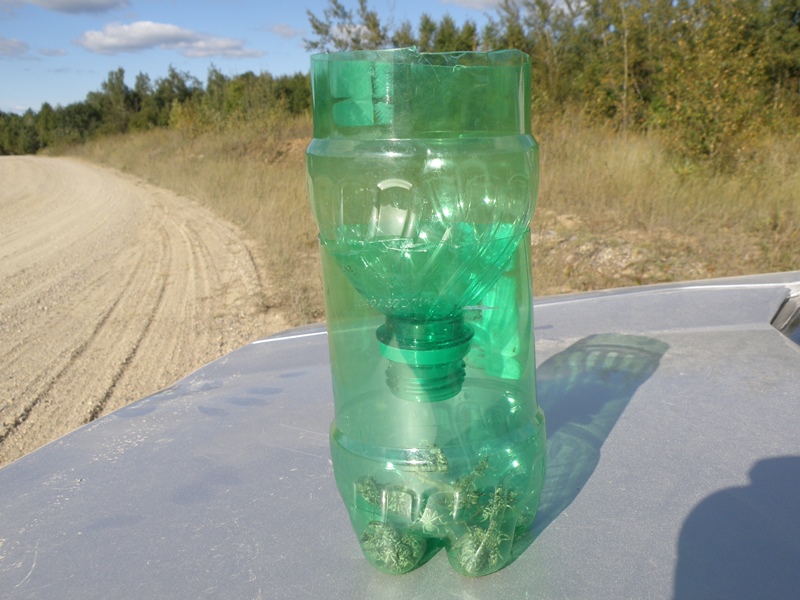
x=669, y=134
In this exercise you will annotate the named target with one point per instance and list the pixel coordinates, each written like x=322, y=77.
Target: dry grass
x=612, y=210
x=616, y=210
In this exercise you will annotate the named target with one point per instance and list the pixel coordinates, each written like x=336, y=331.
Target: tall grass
x=620, y=210
x=613, y=209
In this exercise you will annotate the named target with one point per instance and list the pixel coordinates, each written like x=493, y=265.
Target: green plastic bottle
x=422, y=177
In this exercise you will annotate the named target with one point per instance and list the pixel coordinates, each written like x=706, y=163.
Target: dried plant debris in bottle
x=391, y=550
x=465, y=492
x=428, y=459
x=369, y=490
x=478, y=551
x=473, y=521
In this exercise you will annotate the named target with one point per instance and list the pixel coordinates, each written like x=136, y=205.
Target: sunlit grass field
x=613, y=210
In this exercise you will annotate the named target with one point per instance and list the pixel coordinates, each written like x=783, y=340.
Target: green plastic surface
x=422, y=176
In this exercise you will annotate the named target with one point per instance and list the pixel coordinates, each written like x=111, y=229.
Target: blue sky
x=57, y=51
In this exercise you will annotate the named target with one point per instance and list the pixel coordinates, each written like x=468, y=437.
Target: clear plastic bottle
x=422, y=176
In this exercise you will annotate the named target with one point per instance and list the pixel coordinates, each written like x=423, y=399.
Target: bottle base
x=406, y=505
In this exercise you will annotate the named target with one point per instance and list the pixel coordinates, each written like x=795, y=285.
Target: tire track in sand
x=7, y=428
x=110, y=289
x=160, y=284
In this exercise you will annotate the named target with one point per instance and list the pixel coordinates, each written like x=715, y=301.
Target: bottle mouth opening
x=426, y=358
x=410, y=55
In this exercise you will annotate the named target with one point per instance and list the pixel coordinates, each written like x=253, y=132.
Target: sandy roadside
x=110, y=289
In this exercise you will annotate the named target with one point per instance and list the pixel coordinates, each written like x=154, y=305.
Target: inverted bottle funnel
x=440, y=166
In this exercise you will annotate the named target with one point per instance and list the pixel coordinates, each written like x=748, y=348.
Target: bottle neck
x=426, y=358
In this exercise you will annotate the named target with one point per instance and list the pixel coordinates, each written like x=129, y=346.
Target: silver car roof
x=673, y=469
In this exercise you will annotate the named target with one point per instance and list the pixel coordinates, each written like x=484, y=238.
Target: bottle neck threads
x=426, y=358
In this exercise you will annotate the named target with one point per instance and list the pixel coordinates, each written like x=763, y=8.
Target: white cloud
x=145, y=35
x=80, y=6
x=139, y=35
x=285, y=31
x=52, y=52
x=11, y=48
x=65, y=6
x=475, y=4
x=211, y=46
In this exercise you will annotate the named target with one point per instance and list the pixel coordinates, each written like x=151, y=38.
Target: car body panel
x=673, y=469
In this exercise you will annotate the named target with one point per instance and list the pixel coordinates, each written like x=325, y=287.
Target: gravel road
x=110, y=289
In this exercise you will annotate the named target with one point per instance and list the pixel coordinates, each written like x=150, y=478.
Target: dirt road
x=110, y=289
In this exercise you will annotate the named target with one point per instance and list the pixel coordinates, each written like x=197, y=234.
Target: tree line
x=177, y=99
x=711, y=75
